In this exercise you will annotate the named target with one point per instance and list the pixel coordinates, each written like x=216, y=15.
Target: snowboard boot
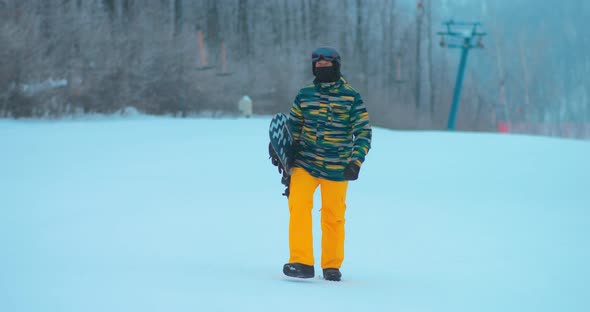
x=332, y=275
x=298, y=270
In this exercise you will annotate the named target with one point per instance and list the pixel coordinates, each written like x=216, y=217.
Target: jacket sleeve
x=296, y=119
x=361, y=131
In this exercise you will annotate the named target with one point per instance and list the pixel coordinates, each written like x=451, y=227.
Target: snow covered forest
x=59, y=58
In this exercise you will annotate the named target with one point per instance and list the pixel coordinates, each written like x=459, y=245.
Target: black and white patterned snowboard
x=281, y=141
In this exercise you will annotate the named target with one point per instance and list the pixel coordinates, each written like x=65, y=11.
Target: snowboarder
x=332, y=133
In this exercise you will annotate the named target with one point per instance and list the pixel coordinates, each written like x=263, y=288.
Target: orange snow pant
x=302, y=188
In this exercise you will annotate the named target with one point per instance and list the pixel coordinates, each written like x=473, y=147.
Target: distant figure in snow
x=245, y=106
x=332, y=133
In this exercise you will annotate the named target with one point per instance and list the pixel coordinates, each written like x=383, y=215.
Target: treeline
x=146, y=54
x=186, y=57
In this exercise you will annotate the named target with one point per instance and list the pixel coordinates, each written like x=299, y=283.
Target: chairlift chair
x=224, y=71
x=204, y=65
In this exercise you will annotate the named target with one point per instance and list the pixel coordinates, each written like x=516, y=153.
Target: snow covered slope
x=158, y=214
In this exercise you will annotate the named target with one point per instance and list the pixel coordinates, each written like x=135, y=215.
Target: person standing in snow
x=331, y=128
x=245, y=106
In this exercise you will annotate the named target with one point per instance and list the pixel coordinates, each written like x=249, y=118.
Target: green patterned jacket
x=330, y=124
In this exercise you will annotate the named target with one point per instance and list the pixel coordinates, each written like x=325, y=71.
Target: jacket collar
x=327, y=86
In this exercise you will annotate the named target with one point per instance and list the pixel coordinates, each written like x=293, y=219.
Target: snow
x=163, y=214
x=36, y=87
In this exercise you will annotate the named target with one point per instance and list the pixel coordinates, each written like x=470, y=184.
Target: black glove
x=286, y=180
x=351, y=172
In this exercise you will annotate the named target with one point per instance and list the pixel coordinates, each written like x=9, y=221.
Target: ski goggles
x=327, y=54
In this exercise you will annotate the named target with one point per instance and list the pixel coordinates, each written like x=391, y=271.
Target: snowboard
x=281, y=141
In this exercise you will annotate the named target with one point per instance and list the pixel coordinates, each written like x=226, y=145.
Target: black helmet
x=328, y=54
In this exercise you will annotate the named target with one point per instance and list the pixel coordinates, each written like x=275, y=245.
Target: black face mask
x=327, y=74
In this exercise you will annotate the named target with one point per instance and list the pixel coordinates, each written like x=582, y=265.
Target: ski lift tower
x=464, y=36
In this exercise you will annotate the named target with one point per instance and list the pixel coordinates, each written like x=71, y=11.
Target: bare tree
x=418, y=81
x=360, y=46
x=178, y=17
x=525, y=72
x=430, y=64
